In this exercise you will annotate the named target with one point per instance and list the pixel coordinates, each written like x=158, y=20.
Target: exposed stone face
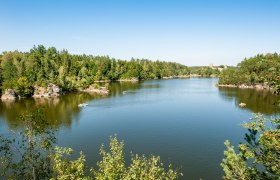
x=10, y=94
x=242, y=105
x=129, y=80
x=259, y=87
x=244, y=86
x=51, y=90
x=100, y=90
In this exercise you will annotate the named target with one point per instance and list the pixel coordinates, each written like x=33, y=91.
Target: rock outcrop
x=51, y=90
x=244, y=86
x=98, y=90
x=10, y=94
x=242, y=105
x=129, y=80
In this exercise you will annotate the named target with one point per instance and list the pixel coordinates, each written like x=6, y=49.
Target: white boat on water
x=83, y=105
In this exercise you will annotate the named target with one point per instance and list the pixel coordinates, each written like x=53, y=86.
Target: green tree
x=42, y=66
x=27, y=155
x=257, y=70
x=65, y=169
x=9, y=70
x=31, y=155
x=112, y=166
x=259, y=156
x=24, y=87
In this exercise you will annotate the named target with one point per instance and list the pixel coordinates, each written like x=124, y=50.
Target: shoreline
x=258, y=87
x=102, y=91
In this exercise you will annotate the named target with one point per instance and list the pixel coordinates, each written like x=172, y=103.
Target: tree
x=27, y=155
x=65, y=169
x=24, y=87
x=261, y=69
x=31, y=155
x=259, y=156
x=42, y=66
x=9, y=70
x=112, y=165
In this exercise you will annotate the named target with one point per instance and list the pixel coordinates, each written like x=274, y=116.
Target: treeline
x=205, y=71
x=261, y=69
x=41, y=66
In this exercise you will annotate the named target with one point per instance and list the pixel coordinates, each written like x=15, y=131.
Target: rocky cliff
x=51, y=90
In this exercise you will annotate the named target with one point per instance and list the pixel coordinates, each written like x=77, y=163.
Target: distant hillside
x=259, y=70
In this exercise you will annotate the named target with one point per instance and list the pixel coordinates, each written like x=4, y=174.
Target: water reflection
x=256, y=101
x=59, y=111
x=64, y=110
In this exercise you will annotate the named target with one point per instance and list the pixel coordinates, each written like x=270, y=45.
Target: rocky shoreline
x=244, y=86
x=128, y=80
x=9, y=95
x=98, y=90
x=51, y=91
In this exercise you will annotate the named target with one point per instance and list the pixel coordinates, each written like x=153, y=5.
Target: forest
x=205, y=71
x=41, y=66
x=260, y=69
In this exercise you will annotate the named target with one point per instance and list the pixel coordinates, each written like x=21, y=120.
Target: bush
x=32, y=155
x=259, y=156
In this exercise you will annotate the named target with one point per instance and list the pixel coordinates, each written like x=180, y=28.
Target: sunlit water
x=185, y=121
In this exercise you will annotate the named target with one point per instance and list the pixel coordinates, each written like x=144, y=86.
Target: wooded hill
x=41, y=66
x=261, y=69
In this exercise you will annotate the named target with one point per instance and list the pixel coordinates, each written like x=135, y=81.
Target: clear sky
x=194, y=32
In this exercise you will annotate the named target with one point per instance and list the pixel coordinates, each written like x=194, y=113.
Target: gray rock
x=51, y=90
x=10, y=94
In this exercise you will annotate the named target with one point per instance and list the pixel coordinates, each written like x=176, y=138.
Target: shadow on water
x=59, y=111
x=256, y=101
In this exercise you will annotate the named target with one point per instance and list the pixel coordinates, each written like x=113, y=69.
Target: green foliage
x=65, y=169
x=205, y=71
x=261, y=69
x=31, y=155
x=9, y=70
x=42, y=66
x=112, y=166
x=1, y=76
x=259, y=157
x=26, y=155
x=143, y=167
x=23, y=87
x=234, y=165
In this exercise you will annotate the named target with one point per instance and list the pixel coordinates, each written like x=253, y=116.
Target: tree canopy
x=259, y=155
x=261, y=69
x=41, y=65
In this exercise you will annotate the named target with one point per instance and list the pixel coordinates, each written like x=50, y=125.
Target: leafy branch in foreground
x=26, y=155
x=31, y=155
x=112, y=165
x=259, y=157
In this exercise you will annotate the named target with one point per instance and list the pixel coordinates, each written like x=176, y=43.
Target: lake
x=185, y=121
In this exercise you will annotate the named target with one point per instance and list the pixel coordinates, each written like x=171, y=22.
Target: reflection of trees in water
x=256, y=101
x=59, y=111
x=117, y=88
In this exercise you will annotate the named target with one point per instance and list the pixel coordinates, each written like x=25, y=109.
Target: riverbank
x=52, y=91
x=259, y=87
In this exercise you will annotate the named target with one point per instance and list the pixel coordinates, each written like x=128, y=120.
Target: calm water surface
x=185, y=121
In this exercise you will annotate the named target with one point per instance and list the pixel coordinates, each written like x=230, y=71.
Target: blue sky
x=194, y=32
